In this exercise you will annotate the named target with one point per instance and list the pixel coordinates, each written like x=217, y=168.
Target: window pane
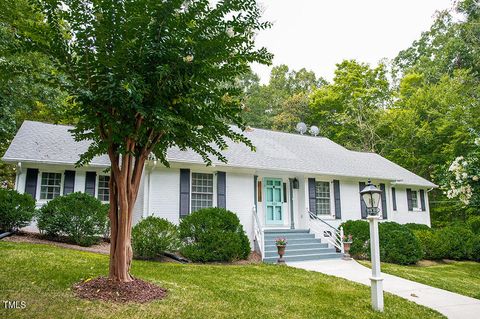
x=323, y=198
x=103, y=189
x=202, y=191
x=50, y=185
x=414, y=199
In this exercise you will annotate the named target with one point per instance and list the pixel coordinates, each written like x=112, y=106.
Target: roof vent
x=314, y=130
x=301, y=128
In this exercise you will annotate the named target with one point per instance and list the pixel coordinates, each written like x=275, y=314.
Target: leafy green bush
x=16, y=210
x=213, y=234
x=428, y=244
x=453, y=242
x=474, y=246
x=80, y=217
x=413, y=226
x=153, y=236
x=474, y=224
x=360, y=232
x=397, y=243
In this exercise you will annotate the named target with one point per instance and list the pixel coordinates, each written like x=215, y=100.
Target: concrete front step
x=289, y=236
x=286, y=230
x=318, y=244
x=303, y=257
x=298, y=252
x=294, y=241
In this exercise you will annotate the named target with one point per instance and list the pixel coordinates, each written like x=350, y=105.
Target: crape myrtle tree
x=147, y=75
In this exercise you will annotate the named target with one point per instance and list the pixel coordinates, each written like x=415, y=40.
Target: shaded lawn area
x=462, y=277
x=42, y=275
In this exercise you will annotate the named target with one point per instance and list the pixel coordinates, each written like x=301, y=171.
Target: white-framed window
x=202, y=191
x=50, y=185
x=103, y=190
x=414, y=199
x=322, y=198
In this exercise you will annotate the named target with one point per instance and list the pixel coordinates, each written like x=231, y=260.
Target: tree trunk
x=124, y=184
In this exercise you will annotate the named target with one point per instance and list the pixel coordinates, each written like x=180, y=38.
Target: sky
x=317, y=34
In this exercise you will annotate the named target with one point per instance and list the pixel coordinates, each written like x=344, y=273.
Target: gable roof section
x=47, y=143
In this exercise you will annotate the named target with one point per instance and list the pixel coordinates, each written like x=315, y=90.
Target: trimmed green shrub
x=80, y=217
x=453, y=242
x=397, y=242
x=474, y=224
x=16, y=210
x=413, y=226
x=360, y=231
x=153, y=236
x=474, y=246
x=213, y=234
x=427, y=242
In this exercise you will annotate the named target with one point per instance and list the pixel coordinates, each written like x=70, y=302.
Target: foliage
x=413, y=226
x=79, y=216
x=213, y=234
x=348, y=109
x=47, y=273
x=360, y=232
x=474, y=224
x=397, y=242
x=428, y=244
x=281, y=103
x=463, y=179
x=16, y=210
x=153, y=236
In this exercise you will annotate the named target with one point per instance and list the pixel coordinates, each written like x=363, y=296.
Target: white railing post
x=258, y=232
x=342, y=249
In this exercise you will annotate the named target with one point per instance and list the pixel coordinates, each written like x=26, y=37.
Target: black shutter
x=363, y=207
x=312, y=190
x=284, y=192
x=90, y=179
x=255, y=200
x=422, y=199
x=409, y=199
x=184, y=192
x=336, y=196
x=394, y=198
x=384, y=201
x=69, y=182
x=31, y=182
x=221, y=190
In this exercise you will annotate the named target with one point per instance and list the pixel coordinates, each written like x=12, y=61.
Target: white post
x=376, y=279
x=342, y=249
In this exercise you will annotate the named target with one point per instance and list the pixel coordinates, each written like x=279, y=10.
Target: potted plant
x=347, y=242
x=281, y=243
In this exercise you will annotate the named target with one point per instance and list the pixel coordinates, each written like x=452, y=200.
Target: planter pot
x=281, y=252
x=346, y=248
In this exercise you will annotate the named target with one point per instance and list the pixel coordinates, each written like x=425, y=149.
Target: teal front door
x=274, y=201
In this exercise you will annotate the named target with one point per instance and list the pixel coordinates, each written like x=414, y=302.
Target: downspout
x=292, y=218
x=17, y=175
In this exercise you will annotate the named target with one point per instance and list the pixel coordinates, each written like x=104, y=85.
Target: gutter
x=6, y=234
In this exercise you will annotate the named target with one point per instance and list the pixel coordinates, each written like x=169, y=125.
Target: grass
x=462, y=277
x=42, y=276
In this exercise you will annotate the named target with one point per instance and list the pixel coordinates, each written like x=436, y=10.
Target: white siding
x=164, y=198
x=402, y=215
x=80, y=181
x=240, y=200
x=138, y=208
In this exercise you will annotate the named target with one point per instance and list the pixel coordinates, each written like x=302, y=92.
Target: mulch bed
x=102, y=288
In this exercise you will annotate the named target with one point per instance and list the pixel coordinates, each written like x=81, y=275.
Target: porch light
x=295, y=184
x=371, y=195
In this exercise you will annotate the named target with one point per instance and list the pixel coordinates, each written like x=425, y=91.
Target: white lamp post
x=371, y=196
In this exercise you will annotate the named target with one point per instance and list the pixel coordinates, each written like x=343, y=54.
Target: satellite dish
x=314, y=130
x=301, y=128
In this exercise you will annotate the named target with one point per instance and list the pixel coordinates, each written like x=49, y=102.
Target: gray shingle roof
x=48, y=143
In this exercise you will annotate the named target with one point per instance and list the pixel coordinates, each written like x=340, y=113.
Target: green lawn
x=462, y=277
x=42, y=275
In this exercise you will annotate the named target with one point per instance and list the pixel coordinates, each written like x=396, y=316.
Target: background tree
x=29, y=82
x=347, y=110
x=147, y=75
x=264, y=104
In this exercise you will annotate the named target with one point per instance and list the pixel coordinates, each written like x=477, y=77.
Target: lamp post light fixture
x=371, y=195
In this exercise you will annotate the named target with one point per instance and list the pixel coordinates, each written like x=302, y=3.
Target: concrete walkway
x=448, y=303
